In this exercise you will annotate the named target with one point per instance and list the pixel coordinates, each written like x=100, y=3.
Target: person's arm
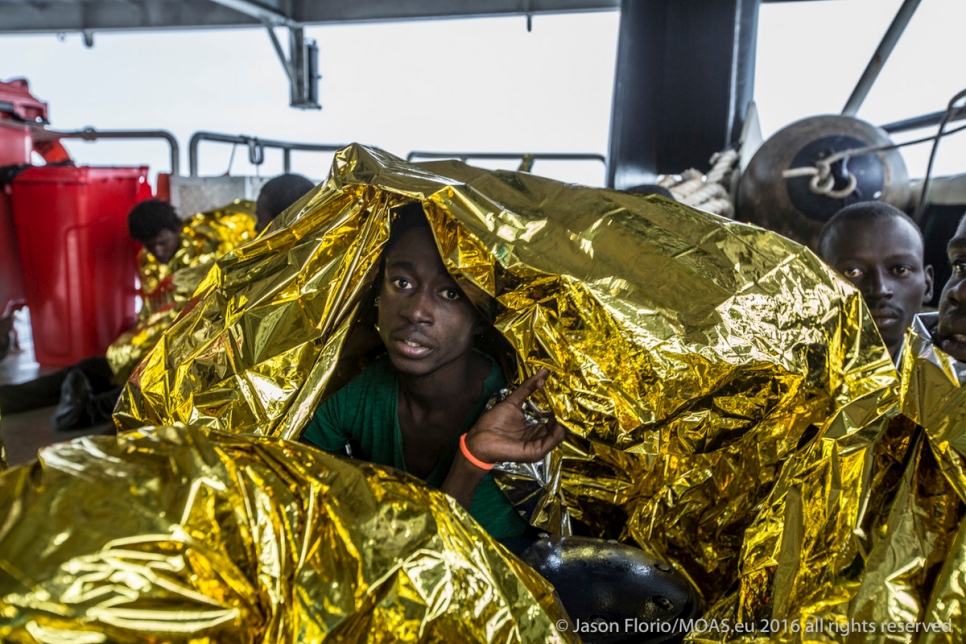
x=503, y=434
x=462, y=480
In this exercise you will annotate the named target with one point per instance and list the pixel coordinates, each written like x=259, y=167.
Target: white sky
x=473, y=85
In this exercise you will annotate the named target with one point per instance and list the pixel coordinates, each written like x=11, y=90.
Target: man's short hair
x=864, y=211
x=407, y=217
x=148, y=218
x=410, y=216
x=282, y=191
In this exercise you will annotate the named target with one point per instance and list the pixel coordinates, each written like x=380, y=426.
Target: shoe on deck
x=75, y=396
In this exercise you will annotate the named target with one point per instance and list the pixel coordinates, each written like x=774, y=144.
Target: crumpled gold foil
x=868, y=533
x=165, y=288
x=692, y=358
x=918, y=567
x=181, y=534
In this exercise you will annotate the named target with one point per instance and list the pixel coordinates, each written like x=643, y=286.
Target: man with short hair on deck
x=156, y=226
x=879, y=249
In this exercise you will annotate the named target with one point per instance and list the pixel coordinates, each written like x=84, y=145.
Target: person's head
x=879, y=249
x=277, y=195
x=156, y=225
x=951, y=334
x=651, y=189
x=425, y=319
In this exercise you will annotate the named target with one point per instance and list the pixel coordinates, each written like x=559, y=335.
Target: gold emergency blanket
x=934, y=397
x=691, y=356
x=165, y=288
x=868, y=542
x=185, y=535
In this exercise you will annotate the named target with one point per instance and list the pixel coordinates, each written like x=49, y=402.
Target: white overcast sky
x=475, y=84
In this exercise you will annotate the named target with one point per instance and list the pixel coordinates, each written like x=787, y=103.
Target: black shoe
x=75, y=396
x=101, y=407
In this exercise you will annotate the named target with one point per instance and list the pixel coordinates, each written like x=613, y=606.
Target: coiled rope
x=711, y=192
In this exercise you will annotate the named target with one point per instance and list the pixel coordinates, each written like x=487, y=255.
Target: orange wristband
x=472, y=459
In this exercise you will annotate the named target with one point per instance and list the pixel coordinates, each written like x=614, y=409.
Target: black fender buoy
x=789, y=206
x=614, y=593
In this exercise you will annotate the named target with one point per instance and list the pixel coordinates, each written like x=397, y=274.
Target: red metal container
x=15, y=147
x=78, y=260
x=11, y=280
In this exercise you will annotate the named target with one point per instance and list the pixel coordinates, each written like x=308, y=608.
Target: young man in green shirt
x=410, y=409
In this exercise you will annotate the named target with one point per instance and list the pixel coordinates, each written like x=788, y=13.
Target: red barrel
x=77, y=258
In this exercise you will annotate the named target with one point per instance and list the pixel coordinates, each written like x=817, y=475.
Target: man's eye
x=852, y=272
x=400, y=283
x=959, y=267
x=450, y=294
x=901, y=271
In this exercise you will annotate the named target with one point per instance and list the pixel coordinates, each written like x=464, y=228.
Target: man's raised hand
x=505, y=434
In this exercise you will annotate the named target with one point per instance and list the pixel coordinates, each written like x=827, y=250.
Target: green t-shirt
x=365, y=414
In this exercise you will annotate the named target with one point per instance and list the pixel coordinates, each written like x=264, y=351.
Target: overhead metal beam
x=261, y=11
x=111, y=15
x=20, y=16
x=366, y=10
x=56, y=17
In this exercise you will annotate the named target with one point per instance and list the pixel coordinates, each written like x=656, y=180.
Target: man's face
x=951, y=334
x=163, y=246
x=883, y=259
x=425, y=320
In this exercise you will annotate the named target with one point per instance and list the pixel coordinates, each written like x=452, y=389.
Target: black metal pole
x=684, y=81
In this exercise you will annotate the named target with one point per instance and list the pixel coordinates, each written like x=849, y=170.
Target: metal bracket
x=302, y=63
x=301, y=67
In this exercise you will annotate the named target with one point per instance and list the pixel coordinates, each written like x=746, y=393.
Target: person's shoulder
x=496, y=379
x=377, y=376
x=344, y=414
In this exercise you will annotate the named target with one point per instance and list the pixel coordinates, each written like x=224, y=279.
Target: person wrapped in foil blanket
x=167, y=286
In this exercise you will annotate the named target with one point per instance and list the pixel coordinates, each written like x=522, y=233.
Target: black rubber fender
x=600, y=581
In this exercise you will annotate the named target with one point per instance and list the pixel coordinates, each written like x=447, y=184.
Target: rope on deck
x=711, y=192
